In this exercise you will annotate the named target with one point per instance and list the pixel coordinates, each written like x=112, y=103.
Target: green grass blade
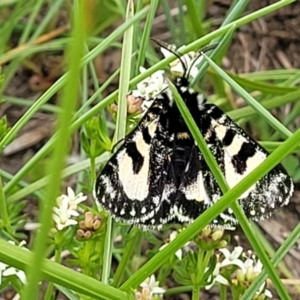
x=223, y=44
x=250, y=100
x=120, y=127
x=30, y=22
x=54, y=272
x=59, y=83
x=68, y=171
x=59, y=153
x=262, y=87
x=146, y=35
x=267, y=104
x=195, y=18
x=224, y=187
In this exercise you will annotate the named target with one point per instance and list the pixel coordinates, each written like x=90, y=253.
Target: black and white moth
x=159, y=176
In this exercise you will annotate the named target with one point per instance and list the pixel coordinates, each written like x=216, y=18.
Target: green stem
x=130, y=246
x=3, y=209
x=87, y=250
x=200, y=267
x=223, y=292
x=107, y=251
x=93, y=171
x=58, y=240
x=49, y=291
x=196, y=293
x=120, y=125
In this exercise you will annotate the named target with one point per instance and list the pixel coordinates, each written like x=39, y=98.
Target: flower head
x=178, y=253
x=216, y=277
x=156, y=83
x=248, y=270
x=89, y=225
x=232, y=258
x=149, y=288
x=251, y=266
x=72, y=199
x=150, y=86
x=66, y=209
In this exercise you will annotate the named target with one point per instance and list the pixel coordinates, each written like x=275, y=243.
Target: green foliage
x=3, y=127
x=94, y=141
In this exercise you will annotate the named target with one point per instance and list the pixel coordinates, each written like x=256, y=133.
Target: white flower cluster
x=156, y=83
x=178, y=253
x=6, y=271
x=248, y=266
x=149, y=287
x=248, y=269
x=66, y=209
x=151, y=86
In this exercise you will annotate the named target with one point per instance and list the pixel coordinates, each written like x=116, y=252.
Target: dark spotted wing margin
x=131, y=184
x=238, y=155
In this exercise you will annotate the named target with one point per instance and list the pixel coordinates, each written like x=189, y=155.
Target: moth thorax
x=201, y=101
x=182, y=84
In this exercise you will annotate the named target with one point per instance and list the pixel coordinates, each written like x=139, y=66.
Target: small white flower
x=252, y=264
x=150, y=86
x=232, y=258
x=152, y=286
x=12, y=271
x=216, y=277
x=251, y=268
x=62, y=218
x=66, y=209
x=258, y=266
x=72, y=199
x=267, y=293
x=178, y=253
x=2, y=268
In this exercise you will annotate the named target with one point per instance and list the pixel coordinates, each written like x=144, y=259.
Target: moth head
x=181, y=83
x=184, y=66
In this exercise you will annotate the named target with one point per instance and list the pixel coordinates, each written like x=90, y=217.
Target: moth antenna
x=203, y=50
x=168, y=48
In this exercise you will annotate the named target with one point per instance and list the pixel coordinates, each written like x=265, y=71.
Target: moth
x=159, y=176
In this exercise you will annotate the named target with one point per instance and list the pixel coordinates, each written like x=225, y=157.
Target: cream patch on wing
x=219, y=129
x=196, y=190
x=231, y=175
x=136, y=185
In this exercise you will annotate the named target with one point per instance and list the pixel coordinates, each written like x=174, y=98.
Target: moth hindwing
x=159, y=176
